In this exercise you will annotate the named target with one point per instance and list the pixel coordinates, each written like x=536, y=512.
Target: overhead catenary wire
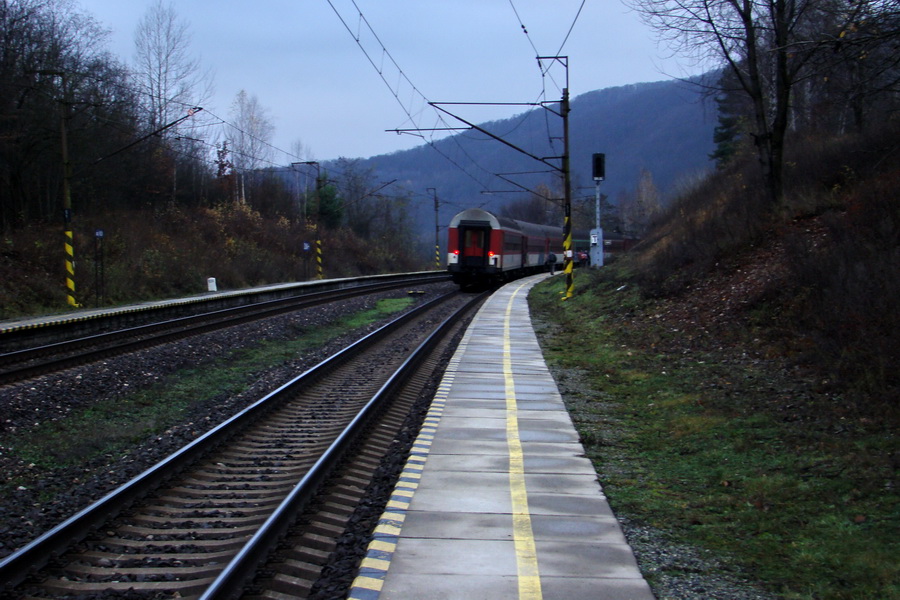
x=396, y=89
x=571, y=27
x=524, y=29
x=545, y=71
x=395, y=79
x=404, y=91
x=137, y=90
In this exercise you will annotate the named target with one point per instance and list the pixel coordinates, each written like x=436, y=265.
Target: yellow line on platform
x=526, y=552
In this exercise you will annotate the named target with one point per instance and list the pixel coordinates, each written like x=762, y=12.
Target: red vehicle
x=483, y=248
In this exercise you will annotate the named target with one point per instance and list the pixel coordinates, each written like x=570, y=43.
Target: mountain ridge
x=664, y=127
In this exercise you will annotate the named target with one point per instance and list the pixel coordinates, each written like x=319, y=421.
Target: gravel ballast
x=40, y=499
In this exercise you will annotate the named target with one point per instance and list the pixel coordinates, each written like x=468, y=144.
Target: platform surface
x=497, y=499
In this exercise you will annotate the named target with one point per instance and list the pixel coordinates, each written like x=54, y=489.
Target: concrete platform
x=497, y=499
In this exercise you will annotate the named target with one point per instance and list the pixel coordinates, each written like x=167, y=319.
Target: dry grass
x=171, y=251
x=826, y=293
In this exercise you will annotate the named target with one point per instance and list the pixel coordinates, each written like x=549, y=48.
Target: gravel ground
x=676, y=572
x=27, y=512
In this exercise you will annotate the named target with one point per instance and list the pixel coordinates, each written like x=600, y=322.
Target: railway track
x=202, y=521
x=28, y=362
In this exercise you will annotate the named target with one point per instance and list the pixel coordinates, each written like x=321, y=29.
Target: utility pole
x=320, y=269
x=66, y=188
x=437, y=229
x=67, y=202
x=320, y=264
x=569, y=264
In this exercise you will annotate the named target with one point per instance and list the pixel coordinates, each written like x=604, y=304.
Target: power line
x=395, y=79
x=524, y=29
x=396, y=89
x=256, y=138
x=136, y=89
x=571, y=27
x=545, y=72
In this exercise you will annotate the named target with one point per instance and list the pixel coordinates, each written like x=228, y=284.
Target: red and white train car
x=483, y=248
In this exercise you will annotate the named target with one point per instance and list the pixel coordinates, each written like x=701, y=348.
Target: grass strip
x=702, y=447
x=113, y=425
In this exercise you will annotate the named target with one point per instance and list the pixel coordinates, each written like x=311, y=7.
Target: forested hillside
x=733, y=378
x=117, y=185
x=662, y=131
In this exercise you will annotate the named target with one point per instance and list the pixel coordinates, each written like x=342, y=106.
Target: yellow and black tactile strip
x=374, y=567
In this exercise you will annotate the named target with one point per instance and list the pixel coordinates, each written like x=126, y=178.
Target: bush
x=835, y=236
x=171, y=252
x=847, y=280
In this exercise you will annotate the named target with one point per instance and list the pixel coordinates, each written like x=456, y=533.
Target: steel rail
x=16, y=567
x=14, y=335
x=245, y=563
x=151, y=334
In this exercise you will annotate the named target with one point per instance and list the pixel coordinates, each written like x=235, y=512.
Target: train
x=485, y=249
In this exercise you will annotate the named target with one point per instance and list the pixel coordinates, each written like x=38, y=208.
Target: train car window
x=511, y=243
x=474, y=242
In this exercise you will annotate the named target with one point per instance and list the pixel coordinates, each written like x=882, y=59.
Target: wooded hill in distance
x=662, y=129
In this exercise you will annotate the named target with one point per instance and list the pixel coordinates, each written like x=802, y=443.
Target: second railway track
x=176, y=540
x=65, y=352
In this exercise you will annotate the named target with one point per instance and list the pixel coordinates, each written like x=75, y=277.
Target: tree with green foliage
x=328, y=205
x=733, y=110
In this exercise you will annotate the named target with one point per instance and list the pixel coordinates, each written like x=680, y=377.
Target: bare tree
x=765, y=44
x=251, y=136
x=169, y=74
x=301, y=151
x=638, y=209
x=861, y=65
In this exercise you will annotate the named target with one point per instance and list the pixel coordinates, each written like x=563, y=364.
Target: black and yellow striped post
x=70, y=259
x=568, y=250
x=67, y=209
x=320, y=261
x=568, y=264
x=437, y=228
x=66, y=193
x=320, y=268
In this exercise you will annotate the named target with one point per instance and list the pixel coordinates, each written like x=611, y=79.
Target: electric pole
x=67, y=203
x=569, y=264
x=320, y=267
x=437, y=229
x=66, y=188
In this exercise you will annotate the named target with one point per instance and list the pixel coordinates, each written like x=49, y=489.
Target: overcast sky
x=320, y=88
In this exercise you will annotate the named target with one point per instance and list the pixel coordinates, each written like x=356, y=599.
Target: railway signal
x=598, y=162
